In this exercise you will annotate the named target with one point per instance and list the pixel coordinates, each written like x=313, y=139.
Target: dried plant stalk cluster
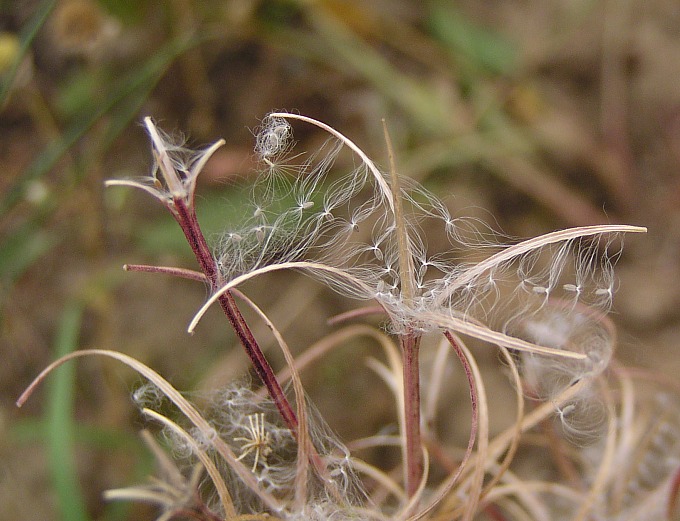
x=609, y=435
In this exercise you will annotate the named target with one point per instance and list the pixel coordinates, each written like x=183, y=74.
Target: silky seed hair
x=344, y=227
x=544, y=296
x=648, y=458
x=238, y=416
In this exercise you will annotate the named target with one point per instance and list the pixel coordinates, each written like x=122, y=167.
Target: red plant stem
x=494, y=513
x=673, y=495
x=448, y=484
x=186, y=218
x=474, y=397
x=410, y=345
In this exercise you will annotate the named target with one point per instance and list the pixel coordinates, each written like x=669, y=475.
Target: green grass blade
x=35, y=430
x=416, y=97
x=478, y=48
x=20, y=250
x=27, y=36
x=61, y=429
x=18, y=253
x=31, y=430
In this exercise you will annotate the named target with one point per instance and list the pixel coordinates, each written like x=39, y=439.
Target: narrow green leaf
x=18, y=252
x=479, y=48
x=32, y=430
x=416, y=97
x=27, y=36
x=61, y=429
x=21, y=250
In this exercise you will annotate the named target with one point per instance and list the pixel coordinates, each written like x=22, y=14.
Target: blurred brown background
x=543, y=113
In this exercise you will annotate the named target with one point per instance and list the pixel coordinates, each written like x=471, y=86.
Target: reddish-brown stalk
x=673, y=495
x=410, y=346
x=474, y=426
x=186, y=218
x=409, y=341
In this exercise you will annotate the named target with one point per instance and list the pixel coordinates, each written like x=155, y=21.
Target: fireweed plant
x=542, y=302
